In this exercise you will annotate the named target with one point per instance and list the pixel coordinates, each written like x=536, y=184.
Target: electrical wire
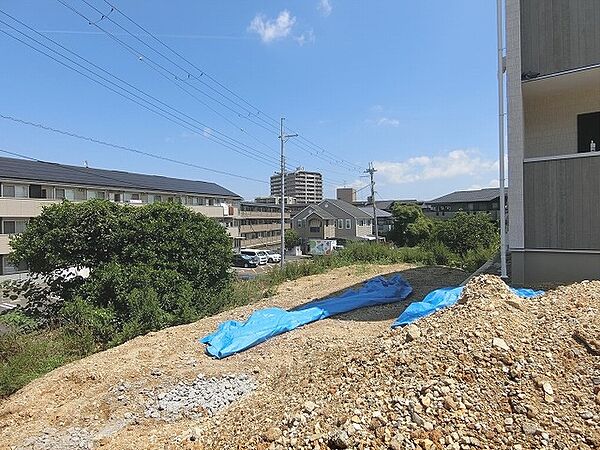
x=129, y=149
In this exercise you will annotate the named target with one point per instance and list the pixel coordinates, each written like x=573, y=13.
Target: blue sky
x=410, y=85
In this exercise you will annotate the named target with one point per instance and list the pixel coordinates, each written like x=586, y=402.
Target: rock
x=508, y=421
x=272, y=434
x=450, y=403
x=309, y=406
x=585, y=415
x=396, y=445
x=529, y=428
x=500, y=343
x=339, y=439
x=547, y=387
x=412, y=333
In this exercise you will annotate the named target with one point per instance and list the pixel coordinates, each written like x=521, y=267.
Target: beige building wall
x=551, y=116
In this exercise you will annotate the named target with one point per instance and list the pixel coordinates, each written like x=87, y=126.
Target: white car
x=273, y=256
x=260, y=254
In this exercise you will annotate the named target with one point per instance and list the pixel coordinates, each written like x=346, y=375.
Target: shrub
x=292, y=239
x=464, y=232
x=475, y=258
x=442, y=255
x=410, y=227
x=150, y=267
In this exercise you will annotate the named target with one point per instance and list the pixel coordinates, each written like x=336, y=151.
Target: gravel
x=202, y=395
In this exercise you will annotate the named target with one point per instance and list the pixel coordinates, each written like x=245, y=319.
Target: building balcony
x=23, y=207
x=4, y=245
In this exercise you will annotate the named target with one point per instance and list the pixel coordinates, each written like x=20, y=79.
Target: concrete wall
x=559, y=35
x=551, y=117
x=515, y=124
x=531, y=268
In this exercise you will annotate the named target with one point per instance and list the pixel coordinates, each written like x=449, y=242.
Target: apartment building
x=553, y=90
x=260, y=224
x=26, y=186
x=306, y=187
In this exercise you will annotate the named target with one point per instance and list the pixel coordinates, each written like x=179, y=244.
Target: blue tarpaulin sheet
x=443, y=298
x=233, y=336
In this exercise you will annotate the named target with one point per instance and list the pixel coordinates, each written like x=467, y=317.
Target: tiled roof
x=480, y=195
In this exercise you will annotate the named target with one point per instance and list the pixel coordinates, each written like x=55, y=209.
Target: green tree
x=467, y=232
x=150, y=266
x=292, y=239
x=410, y=226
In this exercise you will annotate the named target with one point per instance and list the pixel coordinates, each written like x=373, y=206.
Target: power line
x=258, y=113
x=233, y=145
x=129, y=149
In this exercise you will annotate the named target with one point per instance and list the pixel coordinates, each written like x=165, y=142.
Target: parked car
x=273, y=256
x=260, y=254
x=240, y=260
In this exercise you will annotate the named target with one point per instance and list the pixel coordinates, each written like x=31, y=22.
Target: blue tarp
x=442, y=298
x=233, y=337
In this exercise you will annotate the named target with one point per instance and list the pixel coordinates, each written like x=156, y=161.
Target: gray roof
x=380, y=212
x=316, y=209
x=385, y=204
x=348, y=208
x=49, y=172
x=480, y=195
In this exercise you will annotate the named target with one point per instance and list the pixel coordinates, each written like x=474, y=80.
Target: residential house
x=553, y=91
x=480, y=200
x=333, y=219
x=26, y=186
x=385, y=219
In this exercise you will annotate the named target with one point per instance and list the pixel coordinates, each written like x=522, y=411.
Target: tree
x=292, y=239
x=410, y=226
x=150, y=266
x=464, y=232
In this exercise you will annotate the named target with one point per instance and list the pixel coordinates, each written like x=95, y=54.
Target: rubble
x=481, y=374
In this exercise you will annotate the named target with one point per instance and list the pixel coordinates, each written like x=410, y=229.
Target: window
x=13, y=226
x=348, y=224
x=95, y=194
x=299, y=223
x=315, y=229
x=157, y=198
x=60, y=193
x=15, y=190
x=8, y=267
x=588, y=132
x=340, y=223
x=117, y=198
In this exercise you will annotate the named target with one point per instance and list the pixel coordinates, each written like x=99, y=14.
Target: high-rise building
x=305, y=186
x=553, y=80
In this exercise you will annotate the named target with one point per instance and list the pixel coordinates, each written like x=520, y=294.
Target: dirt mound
x=491, y=372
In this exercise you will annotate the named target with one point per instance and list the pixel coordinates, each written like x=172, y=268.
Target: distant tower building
x=346, y=194
x=306, y=187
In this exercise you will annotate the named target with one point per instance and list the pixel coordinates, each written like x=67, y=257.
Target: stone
x=508, y=421
x=585, y=415
x=547, y=387
x=529, y=428
x=339, y=440
x=500, y=343
x=272, y=434
x=309, y=406
x=412, y=333
x=396, y=445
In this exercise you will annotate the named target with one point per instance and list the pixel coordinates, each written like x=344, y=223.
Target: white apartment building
x=304, y=186
x=26, y=186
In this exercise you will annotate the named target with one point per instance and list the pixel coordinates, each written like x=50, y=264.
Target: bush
x=292, y=239
x=477, y=257
x=150, y=267
x=464, y=232
x=410, y=227
x=442, y=255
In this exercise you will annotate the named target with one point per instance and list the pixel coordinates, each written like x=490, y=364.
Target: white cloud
x=271, y=30
x=454, y=164
x=325, y=7
x=308, y=37
x=387, y=122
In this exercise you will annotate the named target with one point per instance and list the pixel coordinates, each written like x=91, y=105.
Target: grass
x=25, y=356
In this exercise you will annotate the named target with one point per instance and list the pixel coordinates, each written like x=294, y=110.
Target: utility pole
x=371, y=171
x=501, y=119
x=283, y=138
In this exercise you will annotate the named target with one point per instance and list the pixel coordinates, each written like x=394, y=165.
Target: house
x=385, y=219
x=480, y=200
x=553, y=91
x=27, y=186
x=333, y=219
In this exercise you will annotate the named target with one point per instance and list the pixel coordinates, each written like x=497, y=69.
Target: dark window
x=315, y=229
x=35, y=191
x=588, y=131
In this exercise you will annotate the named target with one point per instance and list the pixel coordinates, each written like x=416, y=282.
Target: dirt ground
x=83, y=395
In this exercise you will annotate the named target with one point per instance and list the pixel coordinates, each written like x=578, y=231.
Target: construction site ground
x=492, y=372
